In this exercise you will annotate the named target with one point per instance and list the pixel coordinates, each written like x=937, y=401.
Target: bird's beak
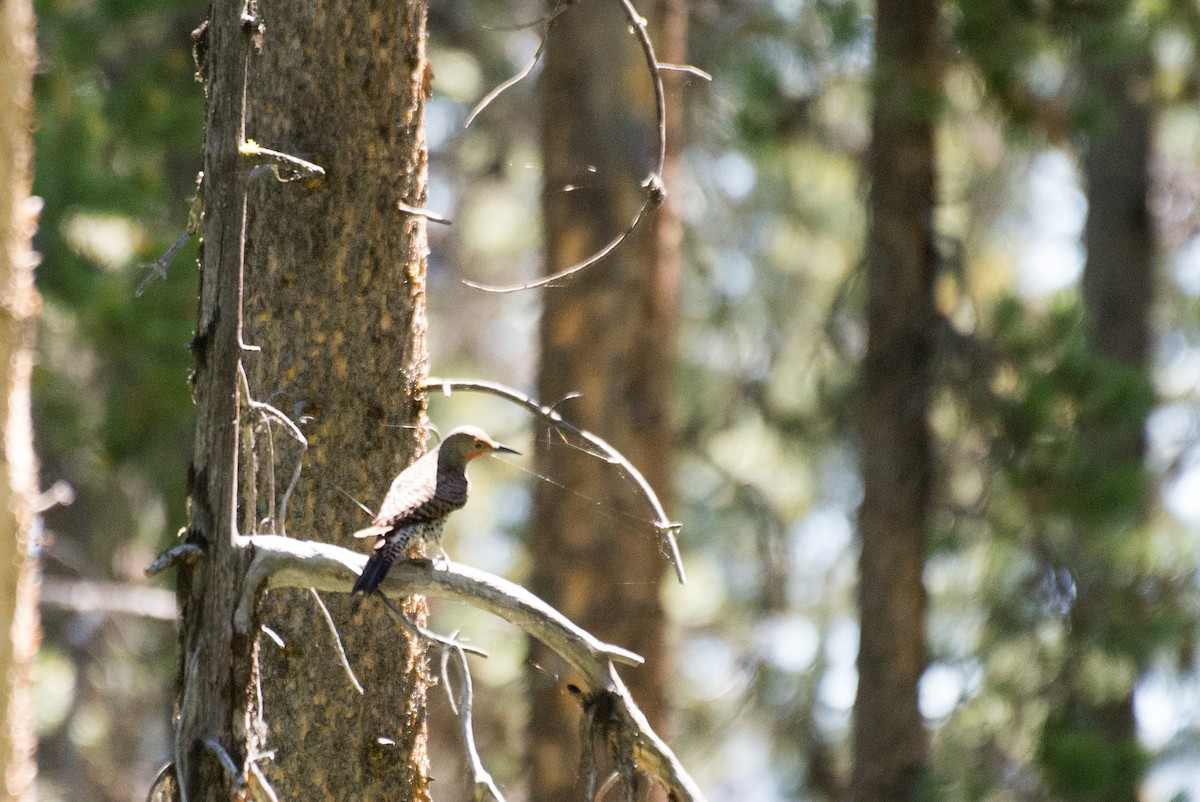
x=505, y=450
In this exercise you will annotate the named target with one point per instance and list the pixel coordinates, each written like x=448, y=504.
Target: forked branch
x=279, y=562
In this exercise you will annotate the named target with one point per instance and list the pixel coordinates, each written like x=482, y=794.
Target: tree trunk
x=889, y=736
x=335, y=302
x=1090, y=747
x=216, y=672
x=607, y=334
x=335, y=285
x=18, y=468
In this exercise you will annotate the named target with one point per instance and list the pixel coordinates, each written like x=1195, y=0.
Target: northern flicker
x=415, y=509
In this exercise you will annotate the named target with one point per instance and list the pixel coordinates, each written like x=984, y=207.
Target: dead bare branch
x=653, y=185
x=667, y=529
x=278, y=562
x=337, y=641
x=652, y=202
x=299, y=168
x=189, y=683
x=416, y=211
x=506, y=85
x=269, y=414
x=485, y=789
x=419, y=631
x=158, y=269
x=189, y=553
x=687, y=68
x=236, y=780
x=262, y=788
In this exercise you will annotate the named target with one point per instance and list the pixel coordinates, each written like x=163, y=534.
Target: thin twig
x=543, y=20
x=653, y=185
x=249, y=436
x=264, y=786
x=666, y=528
x=652, y=201
x=511, y=82
x=485, y=789
x=270, y=413
x=642, y=34
x=302, y=167
x=165, y=775
x=417, y=211
x=688, y=68
x=357, y=503
x=186, y=553
x=606, y=786
x=158, y=270
x=195, y=217
x=236, y=780
x=421, y=632
x=273, y=635
x=184, y=703
x=337, y=641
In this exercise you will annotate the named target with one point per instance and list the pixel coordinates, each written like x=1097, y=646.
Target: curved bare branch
x=653, y=184
x=666, y=528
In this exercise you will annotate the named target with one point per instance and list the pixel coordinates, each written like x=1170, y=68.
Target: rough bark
x=335, y=287
x=18, y=468
x=889, y=736
x=216, y=665
x=607, y=334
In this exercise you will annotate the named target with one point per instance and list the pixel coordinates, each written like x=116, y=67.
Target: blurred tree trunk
x=1090, y=748
x=335, y=281
x=18, y=468
x=607, y=334
x=334, y=298
x=897, y=463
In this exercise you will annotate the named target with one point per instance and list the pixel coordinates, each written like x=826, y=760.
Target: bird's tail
x=375, y=570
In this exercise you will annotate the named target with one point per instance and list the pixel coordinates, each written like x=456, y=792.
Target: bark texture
x=889, y=736
x=216, y=674
x=607, y=334
x=335, y=298
x=19, y=305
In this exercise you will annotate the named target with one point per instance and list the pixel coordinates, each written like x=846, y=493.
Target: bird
x=414, y=510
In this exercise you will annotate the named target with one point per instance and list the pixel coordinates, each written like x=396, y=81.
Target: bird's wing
x=409, y=499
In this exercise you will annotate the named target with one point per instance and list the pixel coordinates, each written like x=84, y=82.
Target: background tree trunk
x=609, y=335
x=335, y=285
x=889, y=736
x=1090, y=748
x=18, y=468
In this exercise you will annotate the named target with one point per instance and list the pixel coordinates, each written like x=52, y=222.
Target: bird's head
x=468, y=442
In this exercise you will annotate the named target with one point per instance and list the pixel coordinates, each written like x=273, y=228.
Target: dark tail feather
x=374, y=572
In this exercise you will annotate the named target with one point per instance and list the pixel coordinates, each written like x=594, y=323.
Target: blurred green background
x=772, y=197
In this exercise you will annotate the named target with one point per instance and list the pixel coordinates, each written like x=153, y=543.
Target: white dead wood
x=283, y=562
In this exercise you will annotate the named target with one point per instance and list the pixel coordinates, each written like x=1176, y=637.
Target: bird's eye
x=479, y=444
